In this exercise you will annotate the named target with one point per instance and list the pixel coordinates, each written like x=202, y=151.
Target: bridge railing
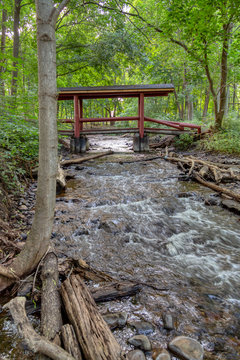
x=177, y=126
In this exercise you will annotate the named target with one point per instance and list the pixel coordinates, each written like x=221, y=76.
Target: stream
x=137, y=221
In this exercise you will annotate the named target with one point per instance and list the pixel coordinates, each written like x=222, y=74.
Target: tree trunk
x=234, y=95
x=227, y=102
x=224, y=72
x=3, y=46
x=17, y=10
x=178, y=105
x=206, y=103
x=38, y=239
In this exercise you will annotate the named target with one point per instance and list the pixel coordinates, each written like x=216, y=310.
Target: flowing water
x=137, y=221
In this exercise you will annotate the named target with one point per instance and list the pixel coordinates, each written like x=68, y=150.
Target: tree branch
x=56, y=12
x=35, y=342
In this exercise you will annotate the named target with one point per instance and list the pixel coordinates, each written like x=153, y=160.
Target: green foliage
x=19, y=152
x=184, y=141
x=225, y=141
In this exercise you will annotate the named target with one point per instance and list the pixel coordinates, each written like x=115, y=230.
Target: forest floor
x=16, y=217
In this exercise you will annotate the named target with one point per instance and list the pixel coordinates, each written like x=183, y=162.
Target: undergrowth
x=224, y=141
x=18, y=152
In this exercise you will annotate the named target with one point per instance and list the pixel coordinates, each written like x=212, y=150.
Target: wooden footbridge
x=78, y=94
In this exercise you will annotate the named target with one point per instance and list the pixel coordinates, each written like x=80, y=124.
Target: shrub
x=18, y=150
x=184, y=141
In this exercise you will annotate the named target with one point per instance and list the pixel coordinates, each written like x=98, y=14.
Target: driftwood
x=8, y=273
x=64, y=143
x=51, y=320
x=217, y=188
x=164, y=141
x=70, y=341
x=208, y=169
x=88, y=273
x=83, y=159
x=61, y=181
x=94, y=336
x=114, y=291
x=34, y=342
x=140, y=160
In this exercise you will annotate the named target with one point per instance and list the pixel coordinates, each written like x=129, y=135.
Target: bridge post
x=141, y=115
x=140, y=141
x=78, y=144
x=76, y=118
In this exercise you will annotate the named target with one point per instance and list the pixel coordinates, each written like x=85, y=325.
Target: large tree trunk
x=3, y=46
x=17, y=9
x=39, y=237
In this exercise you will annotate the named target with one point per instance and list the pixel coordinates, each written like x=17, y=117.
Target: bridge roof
x=95, y=92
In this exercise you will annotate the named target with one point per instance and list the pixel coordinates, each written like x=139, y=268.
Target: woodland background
x=193, y=45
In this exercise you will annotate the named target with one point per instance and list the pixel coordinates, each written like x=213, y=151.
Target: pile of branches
x=208, y=173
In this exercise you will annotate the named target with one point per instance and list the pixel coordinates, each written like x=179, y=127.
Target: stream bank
x=139, y=222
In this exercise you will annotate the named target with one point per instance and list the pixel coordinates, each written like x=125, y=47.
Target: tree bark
x=206, y=103
x=34, y=342
x=224, y=73
x=96, y=339
x=39, y=236
x=3, y=46
x=51, y=319
x=113, y=291
x=16, y=38
x=70, y=342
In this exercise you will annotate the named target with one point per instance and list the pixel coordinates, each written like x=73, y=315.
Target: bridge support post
x=140, y=140
x=79, y=145
x=140, y=144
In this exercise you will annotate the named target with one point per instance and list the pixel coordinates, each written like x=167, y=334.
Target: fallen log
x=88, y=273
x=94, y=336
x=114, y=291
x=83, y=159
x=207, y=166
x=216, y=187
x=61, y=181
x=211, y=163
x=51, y=319
x=70, y=341
x=34, y=342
x=140, y=160
x=164, y=141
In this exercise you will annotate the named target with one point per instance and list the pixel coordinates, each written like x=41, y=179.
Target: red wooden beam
x=141, y=115
x=76, y=117
x=81, y=113
x=165, y=122
x=126, y=118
